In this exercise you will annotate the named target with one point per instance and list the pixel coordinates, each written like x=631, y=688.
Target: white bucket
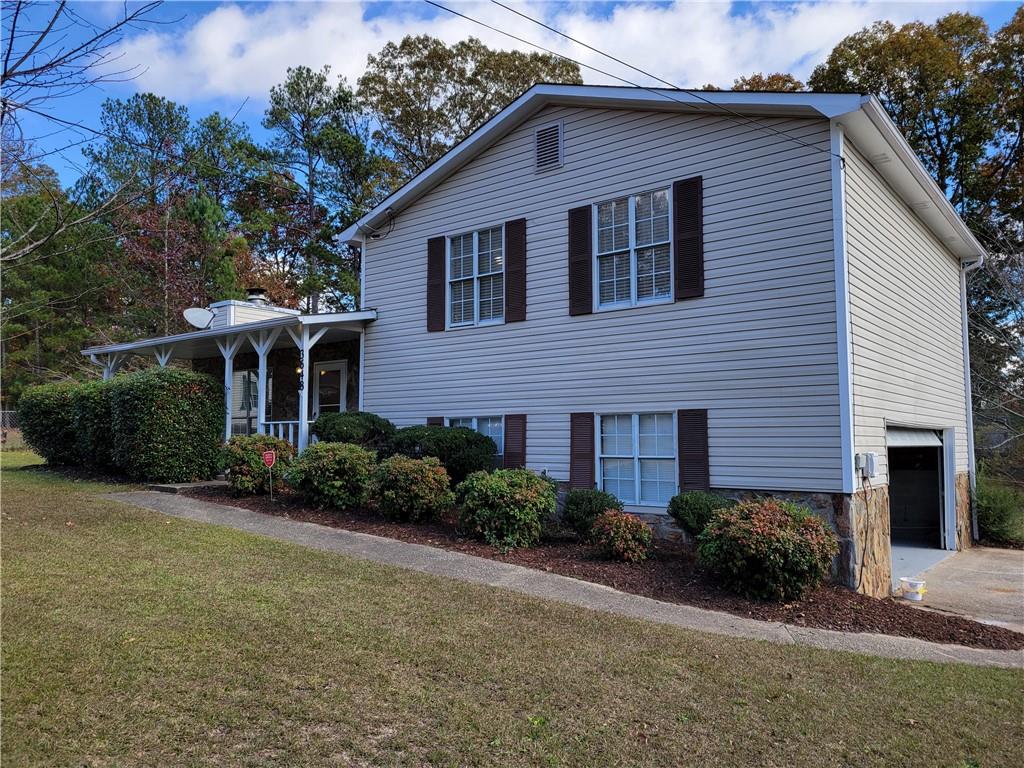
x=912, y=589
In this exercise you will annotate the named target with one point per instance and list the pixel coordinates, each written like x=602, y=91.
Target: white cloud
x=236, y=51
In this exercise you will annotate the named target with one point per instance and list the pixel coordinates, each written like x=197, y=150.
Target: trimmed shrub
x=1000, y=511
x=412, y=490
x=620, y=536
x=693, y=509
x=92, y=421
x=167, y=424
x=333, y=475
x=506, y=508
x=460, y=450
x=358, y=427
x=583, y=505
x=768, y=548
x=243, y=458
x=46, y=422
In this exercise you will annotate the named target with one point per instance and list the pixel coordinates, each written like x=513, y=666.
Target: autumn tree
x=776, y=81
x=426, y=95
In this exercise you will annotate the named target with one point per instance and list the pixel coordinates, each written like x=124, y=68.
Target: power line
x=661, y=93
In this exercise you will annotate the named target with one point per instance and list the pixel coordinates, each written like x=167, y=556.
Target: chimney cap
x=256, y=295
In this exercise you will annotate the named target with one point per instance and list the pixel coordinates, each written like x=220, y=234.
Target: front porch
x=279, y=374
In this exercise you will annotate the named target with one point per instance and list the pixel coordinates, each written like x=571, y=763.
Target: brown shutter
x=435, y=284
x=688, y=237
x=581, y=301
x=581, y=450
x=515, y=271
x=435, y=421
x=515, y=440
x=694, y=467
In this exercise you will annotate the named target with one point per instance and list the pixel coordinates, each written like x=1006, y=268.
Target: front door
x=330, y=384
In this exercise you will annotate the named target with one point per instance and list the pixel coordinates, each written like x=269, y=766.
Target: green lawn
x=133, y=639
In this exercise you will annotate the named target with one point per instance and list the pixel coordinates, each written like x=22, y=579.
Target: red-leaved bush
x=767, y=548
x=621, y=536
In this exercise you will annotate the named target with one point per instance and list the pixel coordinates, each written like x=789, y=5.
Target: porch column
x=163, y=354
x=228, y=348
x=304, y=340
x=262, y=343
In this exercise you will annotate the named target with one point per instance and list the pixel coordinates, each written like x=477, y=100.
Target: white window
x=492, y=426
x=638, y=457
x=476, y=278
x=633, y=249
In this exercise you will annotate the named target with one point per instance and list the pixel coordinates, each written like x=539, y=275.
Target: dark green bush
x=333, y=475
x=460, y=450
x=412, y=490
x=46, y=422
x=167, y=424
x=243, y=458
x=1000, y=512
x=583, y=505
x=768, y=548
x=358, y=427
x=620, y=536
x=693, y=509
x=92, y=421
x=506, y=508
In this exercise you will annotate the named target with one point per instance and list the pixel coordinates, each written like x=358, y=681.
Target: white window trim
x=595, y=269
x=448, y=324
x=636, y=457
x=475, y=426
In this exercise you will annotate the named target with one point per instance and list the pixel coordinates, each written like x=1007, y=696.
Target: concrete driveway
x=982, y=583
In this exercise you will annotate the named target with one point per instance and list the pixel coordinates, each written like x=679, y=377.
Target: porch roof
x=199, y=344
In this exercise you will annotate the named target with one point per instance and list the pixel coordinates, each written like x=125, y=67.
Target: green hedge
x=333, y=475
x=92, y=420
x=45, y=419
x=167, y=424
x=412, y=490
x=243, y=458
x=692, y=510
x=358, y=427
x=1000, y=511
x=506, y=508
x=584, y=505
x=460, y=450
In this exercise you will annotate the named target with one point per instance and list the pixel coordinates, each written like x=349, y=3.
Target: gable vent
x=548, y=141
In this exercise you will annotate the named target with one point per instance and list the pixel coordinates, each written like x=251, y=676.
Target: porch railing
x=285, y=430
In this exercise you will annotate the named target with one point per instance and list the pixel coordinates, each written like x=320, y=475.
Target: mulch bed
x=671, y=575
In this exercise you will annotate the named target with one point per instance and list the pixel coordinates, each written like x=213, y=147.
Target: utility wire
x=736, y=116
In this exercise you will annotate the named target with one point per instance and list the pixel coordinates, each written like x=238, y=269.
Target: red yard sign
x=269, y=458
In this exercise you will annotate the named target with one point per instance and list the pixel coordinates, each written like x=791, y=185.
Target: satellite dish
x=199, y=317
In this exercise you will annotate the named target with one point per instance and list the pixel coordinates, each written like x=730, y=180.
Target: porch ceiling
x=340, y=326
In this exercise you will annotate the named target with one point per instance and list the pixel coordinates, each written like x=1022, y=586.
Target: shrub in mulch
x=335, y=475
x=768, y=549
x=506, y=508
x=584, y=505
x=46, y=421
x=411, y=490
x=620, y=536
x=460, y=450
x=358, y=427
x=692, y=510
x=243, y=458
x=167, y=424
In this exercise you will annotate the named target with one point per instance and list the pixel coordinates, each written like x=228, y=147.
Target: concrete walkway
x=983, y=583
x=477, y=570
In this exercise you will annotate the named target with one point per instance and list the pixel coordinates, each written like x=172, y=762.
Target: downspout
x=969, y=401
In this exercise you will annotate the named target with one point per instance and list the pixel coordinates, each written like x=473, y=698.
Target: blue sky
x=225, y=56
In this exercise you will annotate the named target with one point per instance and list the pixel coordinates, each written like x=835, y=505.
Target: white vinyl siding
x=633, y=249
x=758, y=350
x=476, y=278
x=905, y=319
x=637, y=457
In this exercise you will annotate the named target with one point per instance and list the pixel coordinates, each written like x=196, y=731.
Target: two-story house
x=647, y=291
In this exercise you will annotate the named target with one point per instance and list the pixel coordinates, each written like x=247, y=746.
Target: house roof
x=195, y=344
x=862, y=117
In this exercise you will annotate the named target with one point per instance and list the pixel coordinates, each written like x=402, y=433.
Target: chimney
x=257, y=296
